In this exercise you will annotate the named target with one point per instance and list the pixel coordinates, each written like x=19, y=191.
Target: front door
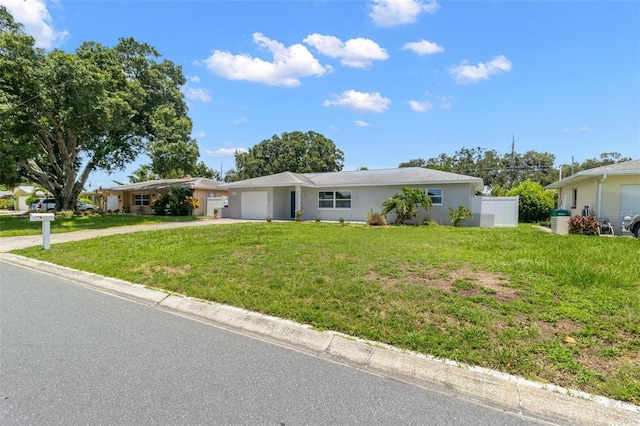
x=293, y=204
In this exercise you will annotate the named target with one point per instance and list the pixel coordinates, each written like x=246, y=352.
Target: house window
x=141, y=199
x=435, y=194
x=574, y=198
x=334, y=199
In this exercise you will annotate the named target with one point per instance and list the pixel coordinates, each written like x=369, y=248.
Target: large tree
x=296, y=152
x=65, y=115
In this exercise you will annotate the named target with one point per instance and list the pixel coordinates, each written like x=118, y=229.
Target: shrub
x=298, y=215
x=341, y=220
x=376, y=219
x=405, y=204
x=269, y=219
x=534, y=203
x=584, y=225
x=459, y=215
x=317, y=219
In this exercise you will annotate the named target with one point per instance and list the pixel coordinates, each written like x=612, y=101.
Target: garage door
x=253, y=205
x=629, y=200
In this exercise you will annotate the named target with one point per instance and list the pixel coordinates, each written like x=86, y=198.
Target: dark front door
x=293, y=204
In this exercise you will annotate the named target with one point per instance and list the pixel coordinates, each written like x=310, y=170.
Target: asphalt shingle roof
x=152, y=185
x=400, y=176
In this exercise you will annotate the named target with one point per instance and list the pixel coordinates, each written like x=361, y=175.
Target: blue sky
x=387, y=81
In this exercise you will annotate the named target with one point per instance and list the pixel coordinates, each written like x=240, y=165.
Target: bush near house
x=584, y=225
x=177, y=201
x=535, y=204
x=405, y=204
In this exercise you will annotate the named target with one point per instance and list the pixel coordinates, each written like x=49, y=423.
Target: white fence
x=492, y=212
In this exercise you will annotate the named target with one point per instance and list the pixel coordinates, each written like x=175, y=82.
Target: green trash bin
x=556, y=213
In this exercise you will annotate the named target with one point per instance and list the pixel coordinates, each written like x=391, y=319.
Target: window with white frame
x=435, y=194
x=141, y=199
x=334, y=199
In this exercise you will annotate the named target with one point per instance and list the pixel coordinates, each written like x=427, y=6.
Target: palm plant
x=405, y=204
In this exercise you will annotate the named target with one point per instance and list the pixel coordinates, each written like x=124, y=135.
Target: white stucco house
x=350, y=195
x=612, y=192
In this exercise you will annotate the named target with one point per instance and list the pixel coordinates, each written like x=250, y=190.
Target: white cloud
x=33, y=14
x=360, y=123
x=423, y=47
x=389, y=13
x=288, y=65
x=197, y=94
x=360, y=102
x=200, y=134
x=195, y=79
x=419, y=106
x=356, y=52
x=225, y=152
x=580, y=129
x=240, y=120
x=467, y=74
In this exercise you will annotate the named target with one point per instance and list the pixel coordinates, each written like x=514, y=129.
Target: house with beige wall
x=349, y=195
x=612, y=192
x=137, y=197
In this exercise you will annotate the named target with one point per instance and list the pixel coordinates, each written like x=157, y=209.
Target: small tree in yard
x=534, y=203
x=459, y=215
x=405, y=204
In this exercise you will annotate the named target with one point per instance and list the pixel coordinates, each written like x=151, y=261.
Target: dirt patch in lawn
x=461, y=281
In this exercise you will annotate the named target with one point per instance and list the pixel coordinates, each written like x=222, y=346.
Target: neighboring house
x=349, y=195
x=136, y=197
x=612, y=192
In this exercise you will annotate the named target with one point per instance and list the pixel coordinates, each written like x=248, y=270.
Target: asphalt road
x=73, y=355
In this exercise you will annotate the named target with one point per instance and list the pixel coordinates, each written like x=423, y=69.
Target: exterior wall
x=127, y=198
x=610, y=197
x=363, y=200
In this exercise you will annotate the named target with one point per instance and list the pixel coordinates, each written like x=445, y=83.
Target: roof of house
x=161, y=184
x=625, y=168
x=383, y=177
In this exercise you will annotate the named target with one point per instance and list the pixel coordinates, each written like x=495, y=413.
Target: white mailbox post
x=46, y=219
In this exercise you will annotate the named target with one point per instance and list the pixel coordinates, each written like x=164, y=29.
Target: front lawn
x=19, y=225
x=558, y=309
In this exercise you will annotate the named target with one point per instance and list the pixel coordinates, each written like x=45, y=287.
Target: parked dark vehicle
x=633, y=225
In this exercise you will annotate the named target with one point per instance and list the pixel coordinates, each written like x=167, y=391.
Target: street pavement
x=518, y=399
x=71, y=355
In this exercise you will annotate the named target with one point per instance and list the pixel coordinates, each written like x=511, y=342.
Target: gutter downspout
x=604, y=176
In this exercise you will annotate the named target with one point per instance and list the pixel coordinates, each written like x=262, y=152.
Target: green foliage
x=293, y=152
x=405, y=204
x=606, y=158
x=177, y=201
x=298, y=215
x=534, y=203
x=65, y=115
x=584, y=225
x=459, y=215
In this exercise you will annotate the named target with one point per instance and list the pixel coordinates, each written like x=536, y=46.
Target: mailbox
x=46, y=219
x=41, y=217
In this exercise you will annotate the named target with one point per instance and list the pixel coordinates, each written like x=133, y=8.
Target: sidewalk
x=542, y=401
x=13, y=243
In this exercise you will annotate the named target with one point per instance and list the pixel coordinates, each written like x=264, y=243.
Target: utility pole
x=512, y=167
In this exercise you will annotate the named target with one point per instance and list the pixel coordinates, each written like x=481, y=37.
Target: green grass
x=563, y=310
x=19, y=225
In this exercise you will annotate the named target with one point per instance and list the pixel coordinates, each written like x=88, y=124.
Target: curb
x=486, y=386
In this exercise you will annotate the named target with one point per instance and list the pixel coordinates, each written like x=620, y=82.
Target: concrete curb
x=487, y=386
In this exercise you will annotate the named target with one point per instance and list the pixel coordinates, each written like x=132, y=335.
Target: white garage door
x=253, y=205
x=629, y=200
